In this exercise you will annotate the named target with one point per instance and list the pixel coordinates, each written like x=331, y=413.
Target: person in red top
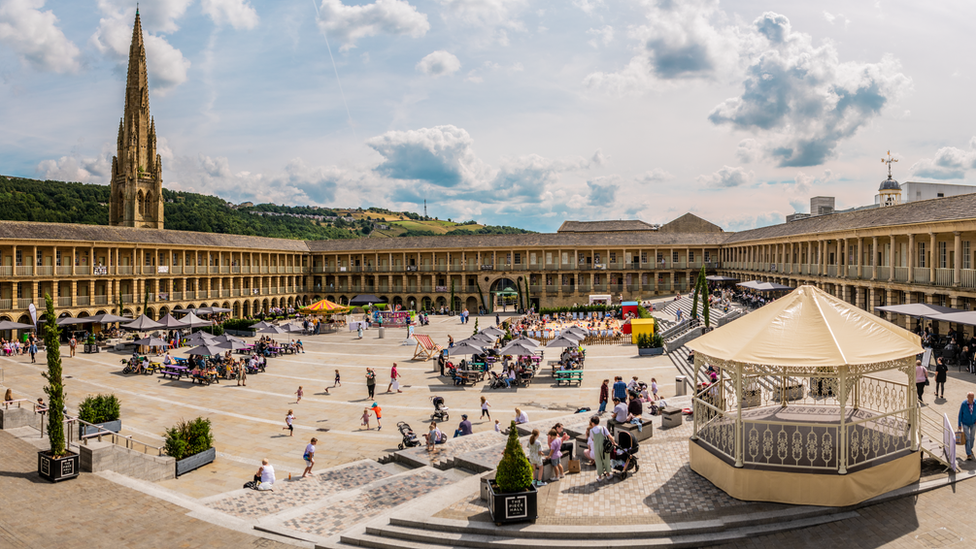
x=394, y=376
x=604, y=395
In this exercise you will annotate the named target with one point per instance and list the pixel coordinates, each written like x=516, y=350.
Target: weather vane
x=888, y=161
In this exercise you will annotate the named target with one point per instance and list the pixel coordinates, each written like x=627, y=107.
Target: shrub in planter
x=187, y=438
x=101, y=410
x=512, y=497
x=58, y=463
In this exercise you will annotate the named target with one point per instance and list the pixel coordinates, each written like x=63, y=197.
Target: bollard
x=382, y=332
x=680, y=389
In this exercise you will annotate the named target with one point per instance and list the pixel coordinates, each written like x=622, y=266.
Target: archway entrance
x=504, y=294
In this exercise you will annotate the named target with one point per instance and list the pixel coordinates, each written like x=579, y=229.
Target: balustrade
x=944, y=277
x=922, y=275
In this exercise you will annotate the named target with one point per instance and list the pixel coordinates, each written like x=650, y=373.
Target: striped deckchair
x=426, y=348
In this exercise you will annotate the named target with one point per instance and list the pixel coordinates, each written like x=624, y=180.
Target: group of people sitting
x=14, y=347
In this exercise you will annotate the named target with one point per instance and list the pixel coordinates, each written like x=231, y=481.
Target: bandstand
x=815, y=404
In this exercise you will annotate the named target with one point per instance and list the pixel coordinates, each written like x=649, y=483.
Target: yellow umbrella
x=323, y=307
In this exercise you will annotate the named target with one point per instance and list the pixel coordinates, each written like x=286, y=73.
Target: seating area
x=568, y=377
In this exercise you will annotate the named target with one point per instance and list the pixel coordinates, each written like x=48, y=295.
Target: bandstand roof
x=808, y=328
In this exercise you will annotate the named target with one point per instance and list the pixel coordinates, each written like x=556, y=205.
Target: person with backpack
x=603, y=444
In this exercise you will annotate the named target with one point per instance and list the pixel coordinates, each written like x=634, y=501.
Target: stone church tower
x=137, y=171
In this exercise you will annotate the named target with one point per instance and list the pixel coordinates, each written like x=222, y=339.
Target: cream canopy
x=808, y=328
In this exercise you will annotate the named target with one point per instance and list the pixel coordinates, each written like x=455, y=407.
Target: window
x=942, y=255
x=548, y=258
x=674, y=257
x=596, y=259
x=57, y=258
x=19, y=259
x=660, y=258
x=643, y=257
x=707, y=257
x=967, y=258
x=613, y=257
x=940, y=195
x=518, y=258
x=921, y=254
x=40, y=258
x=691, y=256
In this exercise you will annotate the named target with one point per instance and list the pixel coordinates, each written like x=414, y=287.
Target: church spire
x=136, y=178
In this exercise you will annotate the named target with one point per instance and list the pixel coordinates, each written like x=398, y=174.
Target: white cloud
x=442, y=156
x=347, y=24
x=657, y=175
x=166, y=64
x=727, y=177
x=831, y=18
x=159, y=16
x=602, y=36
x=749, y=150
x=438, y=64
x=948, y=163
x=35, y=36
x=603, y=190
x=803, y=100
x=238, y=13
x=96, y=169
x=495, y=17
x=588, y=6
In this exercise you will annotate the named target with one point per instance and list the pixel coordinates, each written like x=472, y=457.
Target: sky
x=509, y=112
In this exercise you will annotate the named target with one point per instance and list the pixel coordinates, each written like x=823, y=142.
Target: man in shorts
x=309, y=457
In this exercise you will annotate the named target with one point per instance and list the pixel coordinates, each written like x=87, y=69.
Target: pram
x=409, y=438
x=623, y=458
x=440, y=409
x=496, y=381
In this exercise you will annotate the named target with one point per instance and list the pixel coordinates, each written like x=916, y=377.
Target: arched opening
x=425, y=303
x=398, y=301
x=151, y=312
x=120, y=206
x=471, y=304
x=441, y=302
x=237, y=309
x=140, y=200
x=411, y=303
x=503, y=294
x=149, y=202
x=163, y=311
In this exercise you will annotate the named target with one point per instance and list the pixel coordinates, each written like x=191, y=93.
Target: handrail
x=7, y=403
x=129, y=441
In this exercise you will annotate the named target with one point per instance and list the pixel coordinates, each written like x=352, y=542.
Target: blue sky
x=519, y=112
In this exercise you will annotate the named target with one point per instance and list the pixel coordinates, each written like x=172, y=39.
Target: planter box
x=195, y=461
x=114, y=426
x=89, y=349
x=241, y=333
x=650, y=351
x=59, y=469
x=514, y=507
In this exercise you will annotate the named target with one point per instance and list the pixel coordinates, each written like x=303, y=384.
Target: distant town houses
x=304, y=216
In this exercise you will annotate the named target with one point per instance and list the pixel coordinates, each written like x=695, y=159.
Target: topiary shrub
x=55, y=383
x=100, y=409
x=188, y=438
x=514, y=473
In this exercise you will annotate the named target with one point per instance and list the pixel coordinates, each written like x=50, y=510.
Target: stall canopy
x=764, y=286
x=8, y=325
x=720, y=278
x=142, y=323
x=808, y=328
x=169, y=321
x=365, y=299
x=193, y=321
x=924, y=310
x=959, y=317
x=323, y=307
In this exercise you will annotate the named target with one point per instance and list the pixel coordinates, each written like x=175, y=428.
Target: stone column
x=957, y=259
x=860, y=257
x=932, y=256
x=874, y=258
x=911, y=258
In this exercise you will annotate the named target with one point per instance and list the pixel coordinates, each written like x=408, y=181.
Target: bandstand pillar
x=841, y=431
x=739, y=462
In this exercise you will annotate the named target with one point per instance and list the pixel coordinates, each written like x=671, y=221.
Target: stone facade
x=137, y=171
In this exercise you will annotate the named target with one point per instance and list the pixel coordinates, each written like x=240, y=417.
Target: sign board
x=516, y=507
x=162, y=269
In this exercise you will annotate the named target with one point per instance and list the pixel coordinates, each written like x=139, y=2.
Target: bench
x=671, y=417
x=200, y=379
x=568, y=376
x=640, y=435
x=175, y=374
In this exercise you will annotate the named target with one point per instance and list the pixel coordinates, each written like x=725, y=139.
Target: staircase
x=931, y=431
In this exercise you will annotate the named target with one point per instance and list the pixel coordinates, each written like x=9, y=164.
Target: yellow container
x=640, y=326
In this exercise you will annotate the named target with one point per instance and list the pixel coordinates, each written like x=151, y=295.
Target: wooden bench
x=175, y=374
x=568, y=376
x=200, y=379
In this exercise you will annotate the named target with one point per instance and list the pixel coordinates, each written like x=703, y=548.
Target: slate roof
x=516, y=241
x=74, y=233
x=924, y=211
x=604, y=226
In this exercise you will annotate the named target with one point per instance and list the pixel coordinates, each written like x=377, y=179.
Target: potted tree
x=101, y=410
x=511, y=495
x=58, y=463
x=650, y=344
x=91, y=346
x=191, y=444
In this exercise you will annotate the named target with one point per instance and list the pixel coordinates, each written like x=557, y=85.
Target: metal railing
x=901, y=274
x=921, y=274
x=75, y=436
x=944, y=277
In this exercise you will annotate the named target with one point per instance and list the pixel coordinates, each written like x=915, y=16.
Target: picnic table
x=471, y=376
x=568, y=376
x=175, y=371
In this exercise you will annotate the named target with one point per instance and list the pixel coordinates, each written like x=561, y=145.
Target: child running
x=484, y=408
x=337, y=382
x=299, y=392
x=289, y=419
x=365, y=418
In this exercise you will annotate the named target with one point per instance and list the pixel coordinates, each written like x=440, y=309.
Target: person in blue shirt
x=619, y=389
x=967, y=422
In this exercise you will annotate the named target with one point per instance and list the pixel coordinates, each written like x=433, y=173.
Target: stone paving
x=337, y=516
x=251, y=504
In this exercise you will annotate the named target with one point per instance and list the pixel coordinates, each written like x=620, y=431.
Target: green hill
x=59, y=202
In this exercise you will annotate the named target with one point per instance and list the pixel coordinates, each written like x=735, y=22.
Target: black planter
x=650, y=351
x=58, y=469
x=195, y=461
x=89, y=349
x=513, y=507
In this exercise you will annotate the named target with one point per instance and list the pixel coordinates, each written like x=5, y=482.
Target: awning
x=923, y=310
x=764, y=286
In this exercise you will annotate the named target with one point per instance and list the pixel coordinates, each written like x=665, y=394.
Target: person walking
x=619, y=388
x=33, y=351
x=72, y=345
x=289, y=419
x=555, y=455
x=370, y=381
x=394, y=376
x=484, y=408
x=536, y=453
x=921, y=379
x=379, y=415
x=365, y=419
x=941, y=372
x=309, y=457
x=242, y=374
x=599, y=434
x=967, y=423
x=300, y=392
x=337, y=382
x=604, y=395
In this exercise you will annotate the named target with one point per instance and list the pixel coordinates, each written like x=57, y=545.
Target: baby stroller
x=440, y=409
x=496, y=381
x=409, y=438
x=623, y=458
